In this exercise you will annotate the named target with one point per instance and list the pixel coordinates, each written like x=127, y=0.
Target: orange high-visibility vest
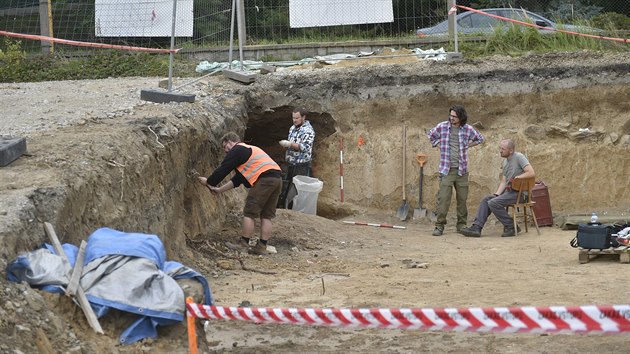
x=258, y=163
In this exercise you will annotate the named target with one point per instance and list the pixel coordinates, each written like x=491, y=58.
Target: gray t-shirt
x=514, y=165
x=453, y=144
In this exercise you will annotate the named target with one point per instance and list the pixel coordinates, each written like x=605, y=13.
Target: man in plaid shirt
x=453, y=137
x=299, y=145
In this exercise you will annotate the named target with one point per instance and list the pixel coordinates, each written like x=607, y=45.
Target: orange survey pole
x=192, y=335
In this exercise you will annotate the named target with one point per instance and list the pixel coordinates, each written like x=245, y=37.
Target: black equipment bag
x=594, y=236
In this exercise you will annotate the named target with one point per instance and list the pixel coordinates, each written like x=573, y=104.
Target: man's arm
x=224, y=188
x=235, y=157
x=216, y=190
x=529, y=172
x=305, y=140
x=434, y=136
x=475, y=137
x=501, y=187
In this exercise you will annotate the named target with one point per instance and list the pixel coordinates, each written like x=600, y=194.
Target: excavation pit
x=132, y=166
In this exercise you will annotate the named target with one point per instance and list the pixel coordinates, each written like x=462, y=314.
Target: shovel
x=420, y=212
x=404, y=208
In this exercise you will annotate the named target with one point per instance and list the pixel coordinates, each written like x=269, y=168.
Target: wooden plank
x=43, y=343
x=583, y=257
x=246, y=77
x=73, y=285
x=80, y=295
x=586, y=254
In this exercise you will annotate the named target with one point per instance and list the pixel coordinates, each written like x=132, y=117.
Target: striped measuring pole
x=341, y=168
x=375, y=225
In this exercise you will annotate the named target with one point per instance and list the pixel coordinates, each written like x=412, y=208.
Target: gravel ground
x=30, y=107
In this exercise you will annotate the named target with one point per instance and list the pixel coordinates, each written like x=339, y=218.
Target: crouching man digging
x=515, y=165
x=255, y=170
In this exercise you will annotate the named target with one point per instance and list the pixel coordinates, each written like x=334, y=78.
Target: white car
x=475, y=23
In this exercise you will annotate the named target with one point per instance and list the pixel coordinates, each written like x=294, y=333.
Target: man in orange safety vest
x=257, y=171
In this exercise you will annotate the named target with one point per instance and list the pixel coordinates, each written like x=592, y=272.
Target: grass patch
x=516, y=41
x=16, y=66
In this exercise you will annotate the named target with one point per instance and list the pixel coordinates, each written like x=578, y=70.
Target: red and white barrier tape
x=85, y=44
x=375, y=225
x=624, y=40
x=599, y=319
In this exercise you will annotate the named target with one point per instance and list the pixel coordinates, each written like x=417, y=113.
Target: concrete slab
x=451, y=56
x=10, y=149
x=163, y=83
x=245, y=77
x=267, y=69
x=165, y=97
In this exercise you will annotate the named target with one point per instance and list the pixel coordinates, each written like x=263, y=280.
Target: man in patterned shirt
x=453, y=137
x=299, y=153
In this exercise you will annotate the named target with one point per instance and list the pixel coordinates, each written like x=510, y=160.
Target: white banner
x=142, y=18
x=319, y=13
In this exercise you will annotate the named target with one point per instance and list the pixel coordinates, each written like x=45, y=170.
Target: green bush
x=517, y=41
x=15, y=66
x=514, y=40
x=11, y=58
x=611, y=21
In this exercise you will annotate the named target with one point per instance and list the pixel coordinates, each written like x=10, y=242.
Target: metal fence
x=205, y=24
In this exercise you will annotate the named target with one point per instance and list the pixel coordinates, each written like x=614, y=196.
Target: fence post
x=171, y=54
x=242, y=33
x=46, y=26
x=452, y=23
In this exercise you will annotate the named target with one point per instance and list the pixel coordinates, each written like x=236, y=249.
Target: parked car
x=475, y=23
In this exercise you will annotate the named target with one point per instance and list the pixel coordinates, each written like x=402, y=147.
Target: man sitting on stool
x=515, y=166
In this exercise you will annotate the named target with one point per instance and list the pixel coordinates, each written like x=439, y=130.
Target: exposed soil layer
x=98, y=156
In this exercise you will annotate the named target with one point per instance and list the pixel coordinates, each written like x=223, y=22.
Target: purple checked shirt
x=440, y=136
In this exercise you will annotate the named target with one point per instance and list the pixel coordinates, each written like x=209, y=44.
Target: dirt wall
x=545, y=111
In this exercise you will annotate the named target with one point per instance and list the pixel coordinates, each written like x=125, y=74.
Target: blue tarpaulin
x=124, y=271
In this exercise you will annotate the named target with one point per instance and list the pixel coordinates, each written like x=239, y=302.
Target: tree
x=569, y=11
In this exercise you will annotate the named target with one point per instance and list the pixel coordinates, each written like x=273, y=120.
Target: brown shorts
x=262, y=198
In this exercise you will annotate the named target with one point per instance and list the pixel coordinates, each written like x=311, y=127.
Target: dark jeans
x=497, y=206
x=287, y=181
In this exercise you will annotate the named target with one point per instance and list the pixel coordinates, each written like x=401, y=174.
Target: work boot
x=509, y=231
x=438, y=232
x=260, y=249
x=240, y=246
x=472, y=231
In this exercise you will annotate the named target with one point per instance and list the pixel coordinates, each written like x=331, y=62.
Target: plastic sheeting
x=123, y=271
x=214, y=67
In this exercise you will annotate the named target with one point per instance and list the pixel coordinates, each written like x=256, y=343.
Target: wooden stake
x=73, y=285
x=80, y=295
x=192, y=332
x=323, y=287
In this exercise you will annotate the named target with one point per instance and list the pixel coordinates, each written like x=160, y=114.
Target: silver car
x=475, y=23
